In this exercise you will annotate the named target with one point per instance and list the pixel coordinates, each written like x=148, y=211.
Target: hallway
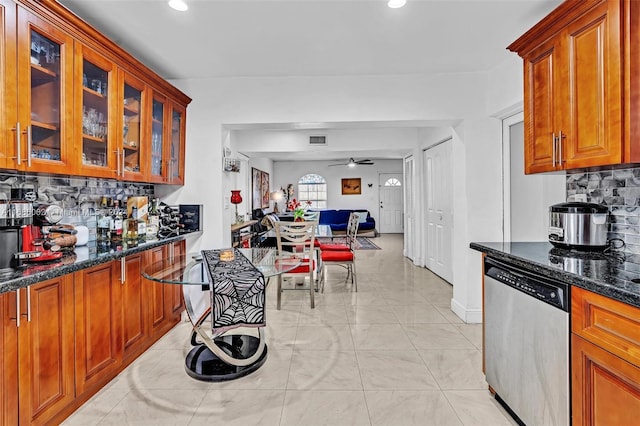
x=391, y=354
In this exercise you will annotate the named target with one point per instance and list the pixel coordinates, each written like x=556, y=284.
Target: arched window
x=392, y=182
x=313, y=188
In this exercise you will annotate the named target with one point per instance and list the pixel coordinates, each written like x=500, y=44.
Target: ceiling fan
x=353, y=163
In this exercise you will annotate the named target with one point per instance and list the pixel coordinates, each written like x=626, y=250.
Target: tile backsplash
x=619, y=190
x=78, y=196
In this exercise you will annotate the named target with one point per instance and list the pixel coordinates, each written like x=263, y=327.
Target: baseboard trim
x=470, y=316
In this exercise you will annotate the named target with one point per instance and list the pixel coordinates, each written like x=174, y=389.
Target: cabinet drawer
x=612, y=325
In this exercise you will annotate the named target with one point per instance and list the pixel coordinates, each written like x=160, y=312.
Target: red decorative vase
x=236, y=198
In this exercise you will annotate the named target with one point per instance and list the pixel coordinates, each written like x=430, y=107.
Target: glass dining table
x=235, y=353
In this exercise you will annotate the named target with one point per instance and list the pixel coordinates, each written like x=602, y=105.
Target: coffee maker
x=44, y=239
x=15, y=215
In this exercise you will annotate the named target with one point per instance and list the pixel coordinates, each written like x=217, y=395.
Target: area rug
x=362, y=243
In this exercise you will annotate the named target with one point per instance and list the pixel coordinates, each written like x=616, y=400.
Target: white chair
x=296, y=240
x=341, y=256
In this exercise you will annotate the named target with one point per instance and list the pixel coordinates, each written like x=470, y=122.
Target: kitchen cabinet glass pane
x=176, y=126
x=45, y=98
x=157, y=128
x=95, y=114
x=131, y=129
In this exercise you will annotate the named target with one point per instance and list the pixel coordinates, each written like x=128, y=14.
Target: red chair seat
x=337, y=256
x=303, y=268
x=333, y=247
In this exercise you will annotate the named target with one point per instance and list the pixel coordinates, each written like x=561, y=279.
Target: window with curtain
x=313, y=188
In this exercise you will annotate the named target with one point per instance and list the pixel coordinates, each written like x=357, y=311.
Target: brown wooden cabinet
x=8, y=360
x=73, y=102
x=573, y=103
x=46, y=350
x=174, y=295
x=135, y=324
x=605, y=360
x=98, y=325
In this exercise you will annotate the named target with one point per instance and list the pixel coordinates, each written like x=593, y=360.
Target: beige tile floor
x=391, y=354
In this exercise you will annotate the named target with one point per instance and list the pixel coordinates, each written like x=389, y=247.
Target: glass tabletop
x=189, y=269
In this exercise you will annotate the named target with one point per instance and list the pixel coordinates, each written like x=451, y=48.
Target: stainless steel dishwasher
x=527, y=343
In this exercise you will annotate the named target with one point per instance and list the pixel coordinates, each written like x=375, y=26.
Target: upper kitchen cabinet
x=44, y=135
x=73, y=102
x=95, y=115
x=573, y=103
x=176, y=147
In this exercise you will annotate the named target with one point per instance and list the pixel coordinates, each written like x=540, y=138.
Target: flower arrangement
x=298, y=211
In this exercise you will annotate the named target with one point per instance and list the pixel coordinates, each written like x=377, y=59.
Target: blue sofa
x=338, y=220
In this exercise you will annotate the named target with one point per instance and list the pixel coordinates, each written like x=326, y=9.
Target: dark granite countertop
x=34, y=273
x=615, y=274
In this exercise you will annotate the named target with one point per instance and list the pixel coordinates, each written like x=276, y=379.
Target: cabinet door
x=134, y=301
x=135, y=147
x=8, y=94
x=174, y=292
x=156, y=304
x=159, y=112
x=605, y=389
x=95, y=115
x=8, y=359
x=542, y=71
x=46, y=348
x=98, y=325
x=594, y=129
x=177, y=130
x=45, y=95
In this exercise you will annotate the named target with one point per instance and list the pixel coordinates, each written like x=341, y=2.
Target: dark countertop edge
x=21, y=282
x=595, y=286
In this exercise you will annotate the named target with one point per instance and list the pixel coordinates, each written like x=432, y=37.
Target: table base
x=202, y=364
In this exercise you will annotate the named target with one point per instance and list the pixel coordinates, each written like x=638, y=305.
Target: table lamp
x=276, y=196
x=236, y=199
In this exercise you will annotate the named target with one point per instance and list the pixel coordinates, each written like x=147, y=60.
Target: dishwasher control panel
x=553, y=293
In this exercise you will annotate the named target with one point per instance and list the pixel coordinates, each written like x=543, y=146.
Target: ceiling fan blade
x=365, y=162
x=341, y=164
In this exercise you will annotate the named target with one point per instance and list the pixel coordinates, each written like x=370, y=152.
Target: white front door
x=391, y=204
x=409, y=218
x=437, y=161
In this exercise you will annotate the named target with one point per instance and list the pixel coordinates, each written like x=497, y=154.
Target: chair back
x=352, y=230
x=312, y=216
x=295, y=237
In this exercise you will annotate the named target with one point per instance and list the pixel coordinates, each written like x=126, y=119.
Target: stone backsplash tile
x=619, y=190
x=78, y=196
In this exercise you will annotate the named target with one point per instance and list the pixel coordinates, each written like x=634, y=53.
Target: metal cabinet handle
x=29, y=304
x=18, y=308
x=117, y=162
x=29, y=144
x=122, y=162
x=553, y=149
x=18, y=144
x=560, y=136
x=123, y=271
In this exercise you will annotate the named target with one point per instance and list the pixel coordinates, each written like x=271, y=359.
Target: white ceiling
x=231, y=38
x=222, y=38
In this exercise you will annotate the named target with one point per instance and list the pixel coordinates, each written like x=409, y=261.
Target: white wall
x=476, y=145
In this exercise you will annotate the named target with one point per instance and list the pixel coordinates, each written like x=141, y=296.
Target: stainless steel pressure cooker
x=581, y=226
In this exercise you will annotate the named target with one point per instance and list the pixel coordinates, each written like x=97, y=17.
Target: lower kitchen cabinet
x=135, y=324
x=605, y=360
x=98, y=325
x=605, y=388
x=175, y=298
x=46, y=350
x=8, y=360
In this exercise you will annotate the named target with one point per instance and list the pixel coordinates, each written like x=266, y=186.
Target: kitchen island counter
x=614, y=274
x=34, y=273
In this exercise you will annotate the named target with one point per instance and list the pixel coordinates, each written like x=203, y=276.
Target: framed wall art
x=351, y=186
x=259, y=189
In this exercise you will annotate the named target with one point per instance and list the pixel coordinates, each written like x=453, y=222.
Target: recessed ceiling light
x=394, y=4
x=179, y=5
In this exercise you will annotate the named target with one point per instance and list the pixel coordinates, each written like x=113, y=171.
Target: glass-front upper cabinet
x=177, y=126
x=45, y=83
x=94, y=118
x=158, y=108
x=133, y=153
x=8, y=97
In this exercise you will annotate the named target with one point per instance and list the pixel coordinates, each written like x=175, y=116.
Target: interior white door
x=409, y=218
x=437, y=161
x=391, y=203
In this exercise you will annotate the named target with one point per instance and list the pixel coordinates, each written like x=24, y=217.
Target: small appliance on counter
x=580, y=226
x=14, y=215
x=190, y=217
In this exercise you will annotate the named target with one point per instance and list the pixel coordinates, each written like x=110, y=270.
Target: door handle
x=553, y=150
x=27, y=132
x=18, y=308
x=28, y=303
x=123, y=271
x=18, y=144
x=122, y=162
x=560, y=137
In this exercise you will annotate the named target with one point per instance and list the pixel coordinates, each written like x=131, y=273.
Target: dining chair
x=352, y=229
x=345, y=258
x=297, y=240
